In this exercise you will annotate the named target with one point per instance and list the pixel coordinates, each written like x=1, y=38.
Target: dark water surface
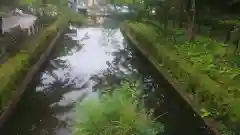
x=84, y=61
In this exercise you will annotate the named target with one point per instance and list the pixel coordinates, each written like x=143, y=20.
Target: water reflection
x=85, y=61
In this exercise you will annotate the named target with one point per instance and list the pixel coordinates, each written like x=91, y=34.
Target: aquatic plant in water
x=115, y=113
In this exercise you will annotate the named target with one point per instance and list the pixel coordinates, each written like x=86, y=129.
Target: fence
x=12, y=41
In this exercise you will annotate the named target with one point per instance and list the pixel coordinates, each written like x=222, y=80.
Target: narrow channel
x=85, y=60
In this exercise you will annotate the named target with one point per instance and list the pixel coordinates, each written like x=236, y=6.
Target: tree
x=180, y=7
x=1, y=29
x=191, y=18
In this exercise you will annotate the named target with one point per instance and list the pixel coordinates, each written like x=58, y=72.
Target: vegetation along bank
x=119, y=112
x=201, y=67
x=18, y=71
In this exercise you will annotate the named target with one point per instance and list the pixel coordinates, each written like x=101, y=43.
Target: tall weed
x=115, y=113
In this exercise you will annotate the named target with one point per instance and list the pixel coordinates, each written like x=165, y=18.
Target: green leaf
x=205, y=113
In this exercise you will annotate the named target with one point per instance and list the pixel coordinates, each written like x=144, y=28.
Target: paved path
x=25, y=21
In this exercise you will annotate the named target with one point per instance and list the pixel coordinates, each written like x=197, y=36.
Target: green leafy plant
x=14, y=70
x=115, y=113
x=201, y=67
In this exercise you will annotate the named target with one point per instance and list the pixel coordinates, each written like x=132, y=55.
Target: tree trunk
x=191, y=21
x=165, y=21
x=181, y=12
x=1, y=27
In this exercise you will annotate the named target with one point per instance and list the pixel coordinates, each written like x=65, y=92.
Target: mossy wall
x=213, y=98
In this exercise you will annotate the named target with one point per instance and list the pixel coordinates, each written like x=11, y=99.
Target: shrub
x=200, y=67
x=13, y=71
x=118, y=113
x=74, y=17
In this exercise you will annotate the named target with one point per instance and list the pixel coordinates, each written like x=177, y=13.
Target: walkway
x=25, y=21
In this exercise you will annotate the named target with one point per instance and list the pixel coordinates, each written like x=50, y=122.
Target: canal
x=85, y=60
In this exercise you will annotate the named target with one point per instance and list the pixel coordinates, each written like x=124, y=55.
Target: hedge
x=200, y=67
x=13, y=71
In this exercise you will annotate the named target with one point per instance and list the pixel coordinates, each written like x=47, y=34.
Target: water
x=83, y=63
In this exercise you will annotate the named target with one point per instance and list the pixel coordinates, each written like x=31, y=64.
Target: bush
x=118, y=113
x=219, y=23
x=13, y=71
x=74, y=17
x=200, y=67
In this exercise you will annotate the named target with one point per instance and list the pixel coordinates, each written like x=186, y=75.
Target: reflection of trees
x=66, y=81
x=30, y=116
x=108, y=33
x=67, y=46
x=111, y=23
x=126, y=61
x=37, y=106
x=58, y=63
x=64, y=46
x=120, y=67
x=159, y=94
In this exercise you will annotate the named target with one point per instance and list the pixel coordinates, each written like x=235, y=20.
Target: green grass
x=14, y=70
x=115, y=113
x=202, y=68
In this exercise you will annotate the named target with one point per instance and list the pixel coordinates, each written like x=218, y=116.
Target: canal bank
x=161, y=57
x=175, y=102
x=19, y=70
x=86, y=60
